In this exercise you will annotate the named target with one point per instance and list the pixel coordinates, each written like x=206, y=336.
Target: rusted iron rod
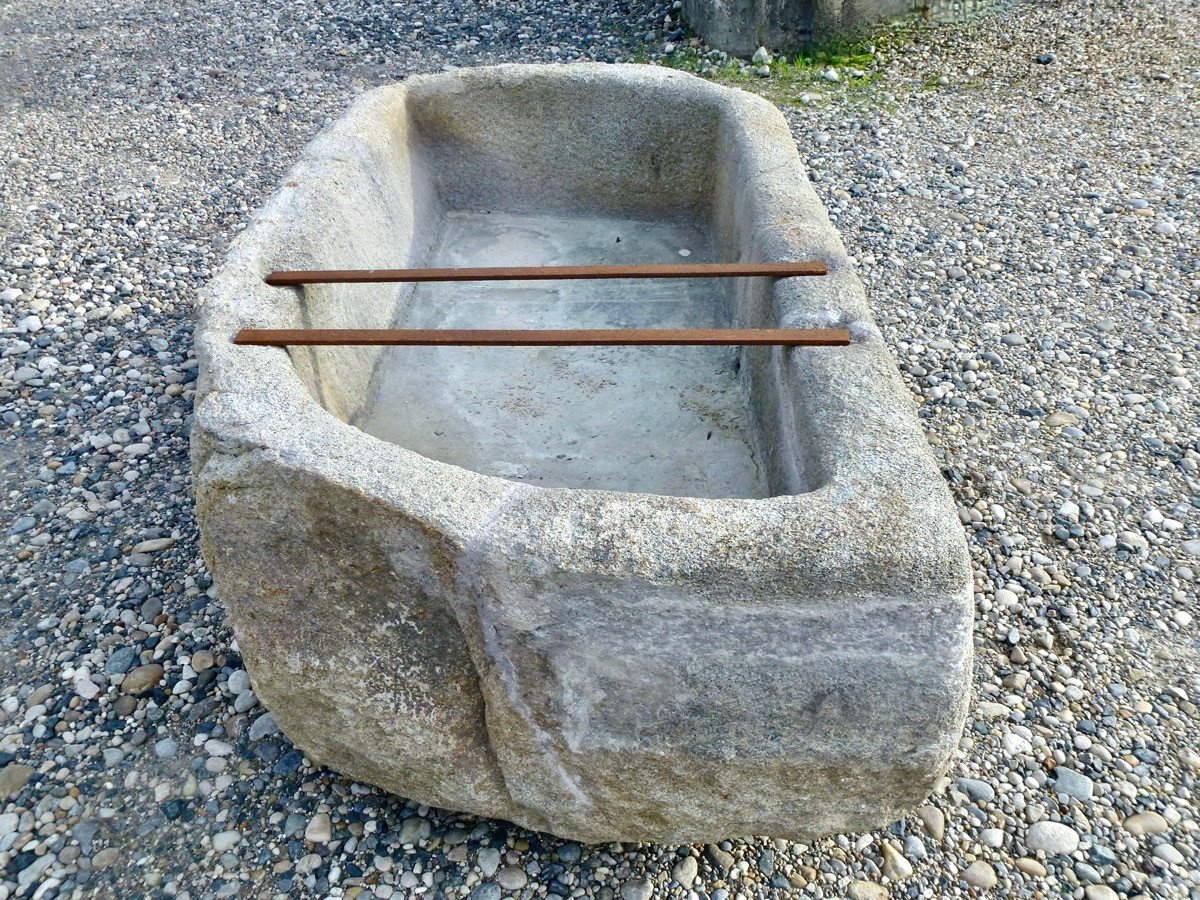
x=585, y=337
x=542, y=273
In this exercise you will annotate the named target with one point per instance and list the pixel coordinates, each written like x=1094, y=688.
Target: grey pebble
x=979, y=791
x=1073, y=784
x=239, y=682
x=121, y=661
x=262, y=727
x=166, y=748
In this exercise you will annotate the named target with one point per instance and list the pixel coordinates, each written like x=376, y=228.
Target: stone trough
x=621, y=593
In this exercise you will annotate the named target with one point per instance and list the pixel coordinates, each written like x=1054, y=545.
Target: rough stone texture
x=602, y=665
x=742, y=26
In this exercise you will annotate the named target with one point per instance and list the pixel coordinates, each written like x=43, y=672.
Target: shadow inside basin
x=663, y=420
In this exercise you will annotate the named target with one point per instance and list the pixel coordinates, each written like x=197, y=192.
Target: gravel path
x=1029, y=234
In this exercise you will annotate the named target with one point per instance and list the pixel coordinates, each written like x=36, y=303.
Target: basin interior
x=478, y=170
x=665, y=420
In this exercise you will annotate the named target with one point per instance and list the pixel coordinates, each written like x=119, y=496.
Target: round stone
x=1051, y=838
x=979, y=874
x=225, y=840
x=685, y=871
x=1144, y=823
x=512, y=878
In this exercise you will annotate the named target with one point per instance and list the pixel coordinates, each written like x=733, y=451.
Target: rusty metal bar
x=587, y=337
x=541, y=273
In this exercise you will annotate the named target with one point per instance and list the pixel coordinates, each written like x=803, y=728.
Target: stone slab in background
x=741, y=26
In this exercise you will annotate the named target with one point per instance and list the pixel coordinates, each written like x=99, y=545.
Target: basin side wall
x=779, y=436
x=567, y=139
x=765, y=210
x=339, y=606
x=335, y=591
x=366, y=203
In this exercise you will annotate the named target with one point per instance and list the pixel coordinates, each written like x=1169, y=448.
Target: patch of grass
x=796, y=78
x=855, y=54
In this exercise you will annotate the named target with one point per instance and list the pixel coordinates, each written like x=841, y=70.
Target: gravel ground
x=1029, y=235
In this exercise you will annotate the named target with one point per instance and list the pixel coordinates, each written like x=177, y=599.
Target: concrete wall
x=742, y=26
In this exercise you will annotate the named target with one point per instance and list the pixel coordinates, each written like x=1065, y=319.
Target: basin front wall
x=651, y=677
x=637, y=671
x=599, y=664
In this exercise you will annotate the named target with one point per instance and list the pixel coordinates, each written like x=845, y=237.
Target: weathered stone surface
x=604, y=665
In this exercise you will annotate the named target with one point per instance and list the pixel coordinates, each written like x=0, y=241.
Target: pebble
x=570, y=852
x=319, y=829
x=1060, y=419
x=934, y=821
x=489, y=861
x=979, y=791
x=1168, y=854
x=914, y=848
x=225, y=840
x=264, y=726
x=992, y=837
x=142, y=679
x=1074, y=784
x=414, y=830
x=981, y=875
x=1030, y=867
x=1144, y=823
x=166, y=748
x=512, y=878
x=721, y=859
x=685, y=871
x=155, y=545
x=121, y=661
x=1051, y=838
x=867, y=890
x=13, y=778
x=895, y=866
x=35, y=869
x=239, y=682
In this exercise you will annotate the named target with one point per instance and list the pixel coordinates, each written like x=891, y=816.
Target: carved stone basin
x=667, y=594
